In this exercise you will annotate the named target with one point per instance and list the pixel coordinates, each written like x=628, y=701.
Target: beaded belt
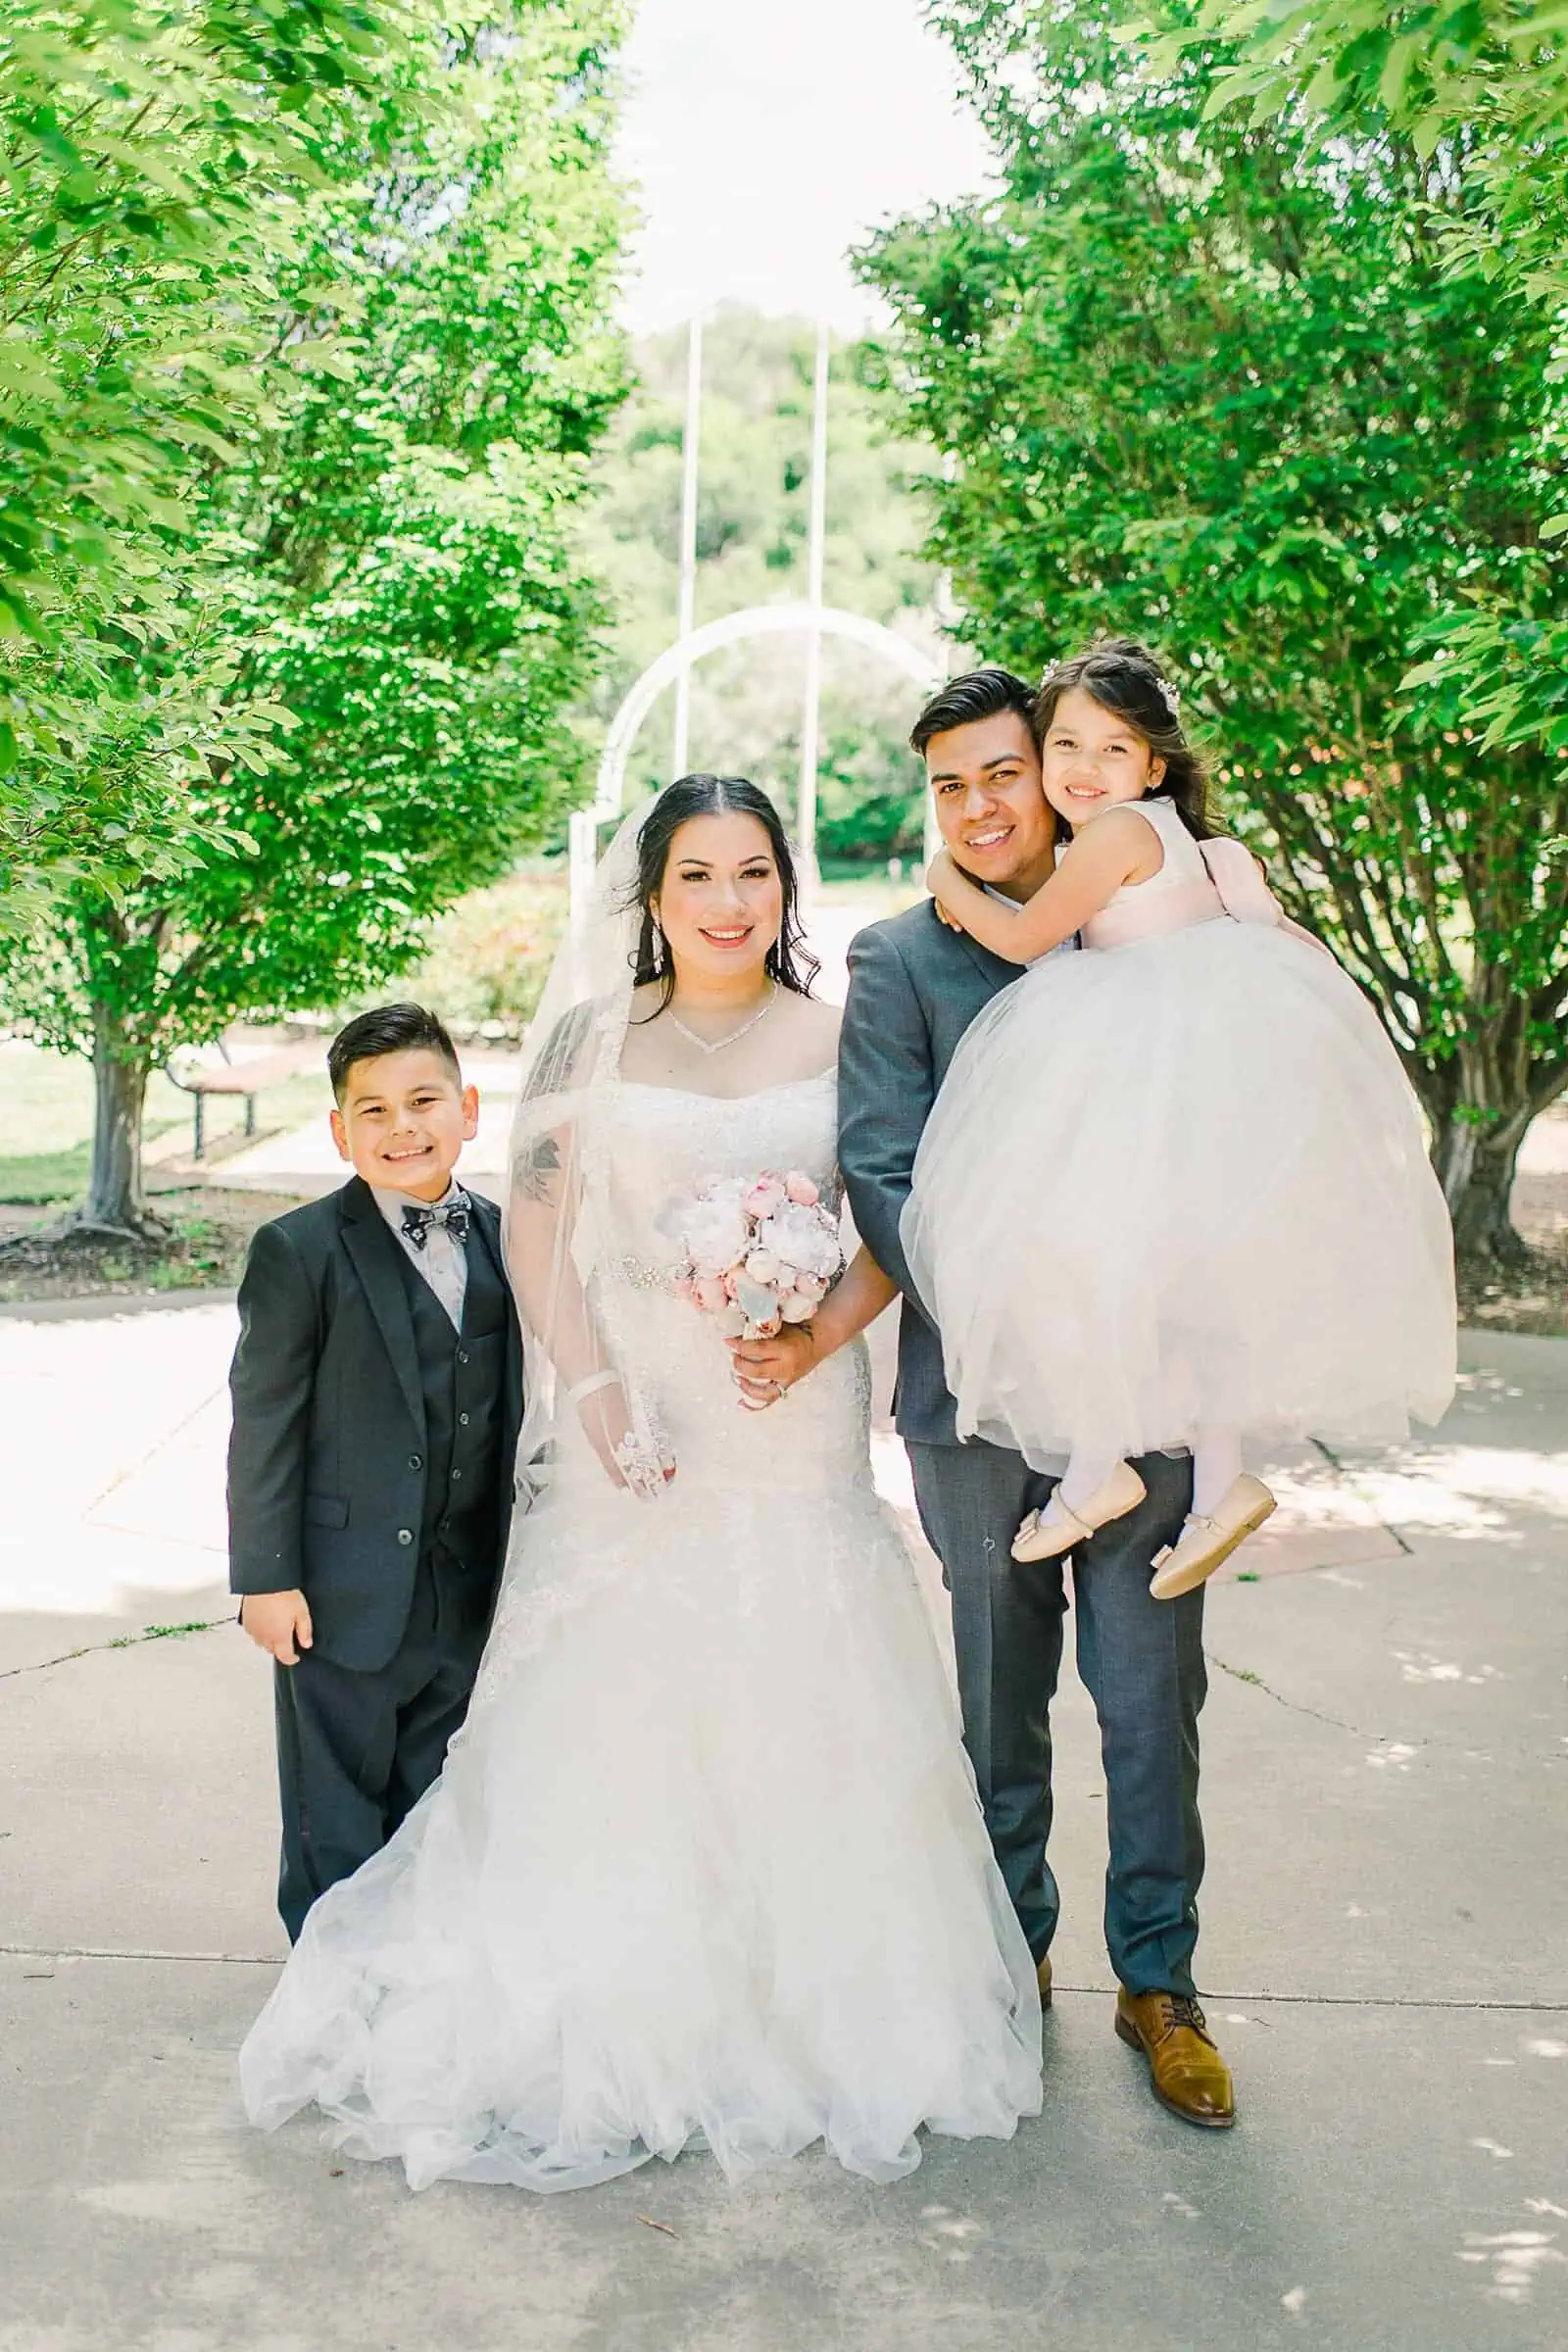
x=636, y=1274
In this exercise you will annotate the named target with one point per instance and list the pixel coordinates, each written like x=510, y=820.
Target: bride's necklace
x=716, y=1045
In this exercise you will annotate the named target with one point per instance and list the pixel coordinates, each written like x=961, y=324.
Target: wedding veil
x=558, y=1227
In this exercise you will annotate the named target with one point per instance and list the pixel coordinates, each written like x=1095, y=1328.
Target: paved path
x=1385, y=1939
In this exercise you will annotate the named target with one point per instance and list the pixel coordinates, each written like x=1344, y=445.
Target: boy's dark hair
x=387, y=1029
x=1124, y=677
x=979, y=694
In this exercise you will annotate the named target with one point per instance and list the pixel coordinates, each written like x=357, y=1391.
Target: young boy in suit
x=378, y=1391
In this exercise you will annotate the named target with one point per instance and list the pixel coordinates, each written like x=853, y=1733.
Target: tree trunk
x=1475, y=1167
x=115, y=1199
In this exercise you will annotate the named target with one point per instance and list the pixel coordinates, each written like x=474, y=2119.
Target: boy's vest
x=461, y=1374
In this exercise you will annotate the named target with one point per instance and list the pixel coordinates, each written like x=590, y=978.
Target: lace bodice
x=662, y=1140
x=657, y=1142
x=810, y=1450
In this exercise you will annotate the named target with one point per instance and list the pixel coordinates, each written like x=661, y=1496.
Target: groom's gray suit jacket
x=914, y=987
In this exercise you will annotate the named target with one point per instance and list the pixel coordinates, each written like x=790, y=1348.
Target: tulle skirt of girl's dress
x=1177, y=1183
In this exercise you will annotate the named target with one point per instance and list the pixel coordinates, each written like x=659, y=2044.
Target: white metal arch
x=799, y=618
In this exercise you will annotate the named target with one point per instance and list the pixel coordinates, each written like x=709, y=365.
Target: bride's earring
x=658, y=944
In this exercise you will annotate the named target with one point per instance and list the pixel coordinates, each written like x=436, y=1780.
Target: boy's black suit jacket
x=326, y=1460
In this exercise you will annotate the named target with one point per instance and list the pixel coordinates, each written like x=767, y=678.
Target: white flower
x=714, y=1233
x=803, y=1237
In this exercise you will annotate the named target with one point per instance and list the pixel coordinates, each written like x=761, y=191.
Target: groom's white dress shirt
x=1002, y=900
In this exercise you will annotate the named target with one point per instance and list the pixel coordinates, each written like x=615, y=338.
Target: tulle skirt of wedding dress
x=704, y=1868
x=1183, y=1182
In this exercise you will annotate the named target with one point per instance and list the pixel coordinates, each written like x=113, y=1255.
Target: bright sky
x=766, y=137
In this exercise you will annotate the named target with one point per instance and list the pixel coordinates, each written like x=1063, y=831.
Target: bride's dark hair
x=789, y=960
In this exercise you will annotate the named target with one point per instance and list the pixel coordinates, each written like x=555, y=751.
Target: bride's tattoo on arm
x=556, y=1064
x=536, y=1168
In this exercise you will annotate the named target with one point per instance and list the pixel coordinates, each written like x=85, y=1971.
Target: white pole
x=946, y=613
x=691, y=448
x=810, y=718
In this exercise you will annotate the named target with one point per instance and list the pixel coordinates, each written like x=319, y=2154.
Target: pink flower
x=796, y=1307
x=801, y=1189
x=811, y=1286
x=710, y=1293
x=766, y=1198
x=763, y=1266
x=731, y=1322
x=731, y=1281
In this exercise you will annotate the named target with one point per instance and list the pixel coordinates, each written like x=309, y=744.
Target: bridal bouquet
x=760, y=1250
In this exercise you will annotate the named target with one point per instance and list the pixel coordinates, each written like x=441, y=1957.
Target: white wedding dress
x=705, y=1867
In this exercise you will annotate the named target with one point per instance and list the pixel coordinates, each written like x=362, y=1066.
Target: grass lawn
x=43, y=1153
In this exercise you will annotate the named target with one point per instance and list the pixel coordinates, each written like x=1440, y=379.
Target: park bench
x=248, y=1078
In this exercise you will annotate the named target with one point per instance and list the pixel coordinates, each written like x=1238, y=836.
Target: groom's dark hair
x=979, y=694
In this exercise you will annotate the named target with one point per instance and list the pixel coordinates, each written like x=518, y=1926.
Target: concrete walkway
x=1385, y=1941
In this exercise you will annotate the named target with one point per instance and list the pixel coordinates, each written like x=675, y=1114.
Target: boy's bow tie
x=417, y=1221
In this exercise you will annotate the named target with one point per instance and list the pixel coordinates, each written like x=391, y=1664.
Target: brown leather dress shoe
x=1185, y=2072
x=1043, y=1971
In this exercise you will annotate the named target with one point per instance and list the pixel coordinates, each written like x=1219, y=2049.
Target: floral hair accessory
x=1168, y=696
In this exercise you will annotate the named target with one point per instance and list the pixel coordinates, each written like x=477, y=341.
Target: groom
x=914, y=987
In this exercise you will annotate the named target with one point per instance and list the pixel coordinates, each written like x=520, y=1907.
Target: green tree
x=1428, y=65
x=1481, y=87
x=399, y=586
x=752, y=529
x=1485, y=78
x=1211, y=385
x=155, y=162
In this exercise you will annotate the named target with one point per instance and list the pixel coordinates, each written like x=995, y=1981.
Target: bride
x=705, y=1866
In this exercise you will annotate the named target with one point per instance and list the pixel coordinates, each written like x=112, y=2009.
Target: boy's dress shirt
x=443, y=1261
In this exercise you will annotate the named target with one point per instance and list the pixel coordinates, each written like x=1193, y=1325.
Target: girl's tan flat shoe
x=1045, y=1537
x=1206, y=1540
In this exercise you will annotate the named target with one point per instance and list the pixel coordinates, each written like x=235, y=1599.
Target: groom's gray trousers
x=1140, y=1661
x=914, y=987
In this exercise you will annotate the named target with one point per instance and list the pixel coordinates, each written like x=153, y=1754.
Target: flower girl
x=1225, y=1224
